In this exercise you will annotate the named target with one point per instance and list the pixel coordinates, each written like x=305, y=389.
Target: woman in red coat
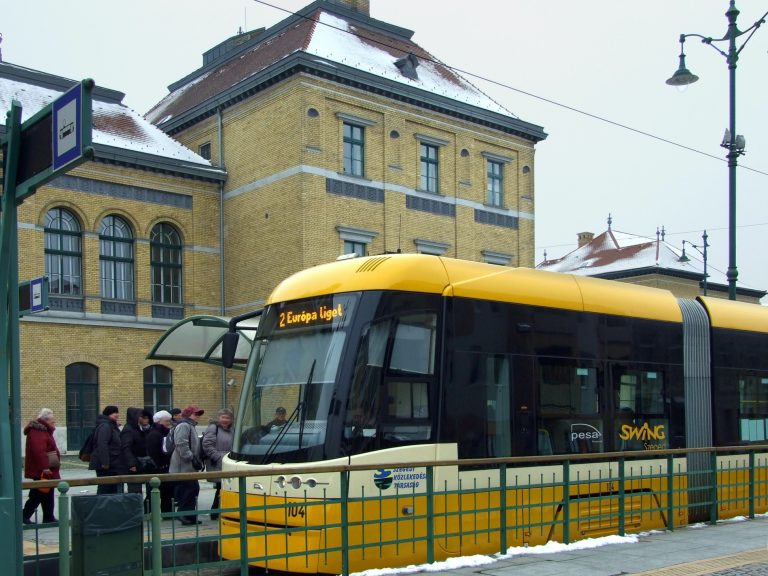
x=41, y=461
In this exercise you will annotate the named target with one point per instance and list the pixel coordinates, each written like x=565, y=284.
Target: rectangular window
x=570, y=419
x=205, y=150
x=641, y=419
x=495, y=183
x=359, y=248
x=354, y=144
x=429, y=168
x=753, y=408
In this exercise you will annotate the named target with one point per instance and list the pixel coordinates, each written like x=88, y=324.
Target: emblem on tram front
x=382, y=479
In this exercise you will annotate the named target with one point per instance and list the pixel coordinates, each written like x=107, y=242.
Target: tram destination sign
x=317, y=312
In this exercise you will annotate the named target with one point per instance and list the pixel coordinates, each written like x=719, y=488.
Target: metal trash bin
x=107, y=535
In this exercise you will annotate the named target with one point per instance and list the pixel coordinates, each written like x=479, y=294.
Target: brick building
x=340, y=134
x=328, y=133
x=129, y=242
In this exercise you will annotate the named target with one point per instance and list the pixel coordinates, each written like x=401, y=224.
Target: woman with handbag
x=42, y=461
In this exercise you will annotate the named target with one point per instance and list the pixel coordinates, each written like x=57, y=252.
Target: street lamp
x=701, y=250
x=731, y=141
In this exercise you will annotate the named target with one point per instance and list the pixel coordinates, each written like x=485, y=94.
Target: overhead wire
x=461, y=71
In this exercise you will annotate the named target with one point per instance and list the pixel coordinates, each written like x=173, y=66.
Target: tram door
x=573, y=407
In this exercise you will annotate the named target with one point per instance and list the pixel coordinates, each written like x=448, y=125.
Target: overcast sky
x=608, y=58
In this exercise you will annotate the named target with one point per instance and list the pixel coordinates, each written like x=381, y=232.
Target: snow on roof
x=114, y=124
x=336, y=39
x=613, y=252
x=332, y=39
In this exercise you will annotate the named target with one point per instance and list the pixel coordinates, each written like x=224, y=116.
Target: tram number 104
x=297, y=510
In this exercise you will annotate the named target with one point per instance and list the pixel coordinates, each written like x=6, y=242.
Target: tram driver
x=277, y=423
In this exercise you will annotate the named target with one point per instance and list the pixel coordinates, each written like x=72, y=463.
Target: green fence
x=486, y=507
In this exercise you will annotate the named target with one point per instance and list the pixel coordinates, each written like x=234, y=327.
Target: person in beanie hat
x=175, y=416
x=184, y=459
x=108, y=457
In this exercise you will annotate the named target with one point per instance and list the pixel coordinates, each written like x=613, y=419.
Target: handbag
x=53, y=459
x=146, y=464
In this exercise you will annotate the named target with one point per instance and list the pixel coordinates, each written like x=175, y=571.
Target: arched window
x=116, y=259
x=165, y=244
x=82, y=385
x=63, y=253
x=158, y=388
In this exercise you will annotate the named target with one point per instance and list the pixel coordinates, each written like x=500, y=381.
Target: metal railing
x=502, y=502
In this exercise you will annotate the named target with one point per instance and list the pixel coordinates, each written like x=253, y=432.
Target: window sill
x=354, y=176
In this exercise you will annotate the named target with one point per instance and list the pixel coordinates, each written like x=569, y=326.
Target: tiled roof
x=615, y=253
x=333, y=41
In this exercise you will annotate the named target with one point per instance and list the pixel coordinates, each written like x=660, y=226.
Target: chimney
x=585, y=238
x=362, y=6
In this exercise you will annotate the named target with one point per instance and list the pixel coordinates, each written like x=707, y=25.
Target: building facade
x=129, y=242
x=341, y=135
x=329, y=133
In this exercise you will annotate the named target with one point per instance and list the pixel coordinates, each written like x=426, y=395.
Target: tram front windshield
x=292, y=376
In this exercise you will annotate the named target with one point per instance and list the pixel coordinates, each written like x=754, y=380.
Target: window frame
x=110, y=263
x=167, y=266
x=69, y=259
x=351, y=144
x=152, y=383
x=429, y=167
x=495, y=183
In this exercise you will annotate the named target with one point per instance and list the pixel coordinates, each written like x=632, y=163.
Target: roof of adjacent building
x=120, y=135
x=615, y=254
x=334, y=42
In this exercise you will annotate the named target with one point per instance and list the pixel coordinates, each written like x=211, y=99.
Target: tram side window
x=477, y=405
x=569, y=408
x=740, y=406
x=363, y=404
x=641, y=418
x=753, y=408
x=406, y=413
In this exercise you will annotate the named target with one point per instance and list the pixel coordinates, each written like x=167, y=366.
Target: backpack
x=88, y=446
x=169, y=445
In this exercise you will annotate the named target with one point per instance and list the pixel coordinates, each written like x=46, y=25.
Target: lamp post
x=701, y=250
x=731, y=141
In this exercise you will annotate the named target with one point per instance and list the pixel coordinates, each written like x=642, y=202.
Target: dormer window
x=407, y=66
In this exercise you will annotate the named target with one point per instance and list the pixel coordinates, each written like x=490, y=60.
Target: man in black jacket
x=108, y=457
x=133, y=438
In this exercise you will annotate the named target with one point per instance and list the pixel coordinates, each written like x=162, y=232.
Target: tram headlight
x=296, y=482
x=281, y=481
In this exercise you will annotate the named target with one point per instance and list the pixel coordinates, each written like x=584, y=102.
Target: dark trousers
x=216, y=501
x=186, y=497
x=37, y=498
x=167, y=493
x=108, y=488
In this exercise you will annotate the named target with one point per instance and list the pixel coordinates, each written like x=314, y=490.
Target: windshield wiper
x=303, y=401
x=299, y=410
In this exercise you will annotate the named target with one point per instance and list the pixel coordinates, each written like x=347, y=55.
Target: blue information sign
x=67, y=127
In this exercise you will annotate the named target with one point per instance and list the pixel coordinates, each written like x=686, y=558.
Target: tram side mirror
x=229, y=348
